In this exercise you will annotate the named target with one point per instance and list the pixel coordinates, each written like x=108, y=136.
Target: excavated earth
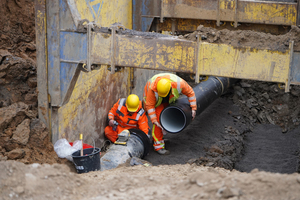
x=245, y=145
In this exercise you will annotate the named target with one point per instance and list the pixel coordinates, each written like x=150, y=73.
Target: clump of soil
x=242, y=38
x=268, y=103
x=23, y=137
x=19, y=181
x=224, y=153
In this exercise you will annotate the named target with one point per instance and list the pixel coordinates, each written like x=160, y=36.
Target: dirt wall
x=22, y=136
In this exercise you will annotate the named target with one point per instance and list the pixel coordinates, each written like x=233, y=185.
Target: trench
x=221, y=137
x=268, y=149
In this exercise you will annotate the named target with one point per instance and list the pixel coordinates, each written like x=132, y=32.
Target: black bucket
x=90, y=161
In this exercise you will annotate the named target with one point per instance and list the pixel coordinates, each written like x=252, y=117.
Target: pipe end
x=173, y=119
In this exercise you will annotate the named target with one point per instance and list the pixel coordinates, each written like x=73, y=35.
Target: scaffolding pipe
x=138, y=145
x=178, y=116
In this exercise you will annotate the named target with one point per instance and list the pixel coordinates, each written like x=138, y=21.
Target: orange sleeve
x=150, y=105
x=143, y=123
x=189, y=92
x=113, y=111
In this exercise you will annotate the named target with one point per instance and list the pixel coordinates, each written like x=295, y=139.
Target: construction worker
x=126, y=114
x=161, y=90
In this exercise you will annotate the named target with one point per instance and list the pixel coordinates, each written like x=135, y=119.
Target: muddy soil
x=247, y=38
x=22, y=136
x=253, y=119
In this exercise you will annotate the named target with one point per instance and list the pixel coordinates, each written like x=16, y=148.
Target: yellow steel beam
x=177, y=55
x=190, y=25
x=164, y=53
x=245, y=63
x=268, y=12
x=279, y=13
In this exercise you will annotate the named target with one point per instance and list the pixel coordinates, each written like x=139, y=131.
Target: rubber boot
x=163, y=152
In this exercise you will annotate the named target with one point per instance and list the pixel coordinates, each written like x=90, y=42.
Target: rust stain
x=44, y=111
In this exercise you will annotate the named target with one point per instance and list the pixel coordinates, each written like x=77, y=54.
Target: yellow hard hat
x=163, y=87
x=132, y=103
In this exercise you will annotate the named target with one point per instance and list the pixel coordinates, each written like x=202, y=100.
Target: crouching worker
x=126, y=114
x=160, y=91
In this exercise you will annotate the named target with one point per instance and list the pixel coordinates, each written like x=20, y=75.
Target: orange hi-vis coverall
x=126, y=120
x=154, y=104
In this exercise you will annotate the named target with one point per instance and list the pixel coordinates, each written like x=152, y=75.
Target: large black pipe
x=178, y=116
x=138, y=145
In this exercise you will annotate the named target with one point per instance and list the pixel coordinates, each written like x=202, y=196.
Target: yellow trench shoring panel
x=105, y=12
x=96, y=92
x=244, y=63
x=269, y=13
x=262, y=12
x=177, y=55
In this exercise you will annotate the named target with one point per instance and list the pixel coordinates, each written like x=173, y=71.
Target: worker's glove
x=158, y=125
x=164, y=132
x=193, y=114
x=112, y=123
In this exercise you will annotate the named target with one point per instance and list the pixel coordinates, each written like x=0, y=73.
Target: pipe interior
x=173, y=119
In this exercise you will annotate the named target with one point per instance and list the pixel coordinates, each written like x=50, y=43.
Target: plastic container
x=90, y=161
x=84, y=146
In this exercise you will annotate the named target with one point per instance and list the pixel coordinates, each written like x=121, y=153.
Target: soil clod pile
x=23, y=137
x=268, y=103
x=247, y=38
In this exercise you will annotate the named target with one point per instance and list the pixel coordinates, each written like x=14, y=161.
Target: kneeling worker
x=126, y=114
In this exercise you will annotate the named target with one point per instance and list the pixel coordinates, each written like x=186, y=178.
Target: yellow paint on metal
x=269, y=13
x=261, y=12
x=141, y=54
x=79, y=100
x=227, y=4
x=84, y=10
x=95, y=92
x=40, y=21
x=106, y=12
x=163, y=54
x=245, y=63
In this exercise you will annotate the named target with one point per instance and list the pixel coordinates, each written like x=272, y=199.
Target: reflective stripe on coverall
x=126, y=120
x=154, y=106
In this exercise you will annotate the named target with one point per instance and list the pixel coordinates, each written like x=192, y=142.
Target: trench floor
x=265, y=148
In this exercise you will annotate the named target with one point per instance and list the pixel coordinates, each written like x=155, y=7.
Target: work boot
x=167, y=141
x=163, y=152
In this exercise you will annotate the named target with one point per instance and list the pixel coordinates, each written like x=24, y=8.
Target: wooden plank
x=53, y=41
x=41, y=61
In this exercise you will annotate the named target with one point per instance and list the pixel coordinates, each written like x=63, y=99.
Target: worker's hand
x=193, y=114
x=164, y=132
x=158, y=125
x=111, y=122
